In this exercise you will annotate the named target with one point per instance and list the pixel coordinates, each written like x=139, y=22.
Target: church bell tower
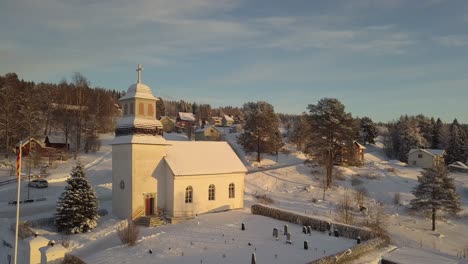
x=137, y=151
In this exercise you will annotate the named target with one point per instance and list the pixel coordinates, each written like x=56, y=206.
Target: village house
x=425, y=158
x=168, y=123
x=31, y=144
x=208, y=133
x=227, y=121
x=215, y=121
x=57, y=140
x=350, y=154
x=152, y=176
x=186, y=119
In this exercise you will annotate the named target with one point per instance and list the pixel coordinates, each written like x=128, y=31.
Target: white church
x=180, y=178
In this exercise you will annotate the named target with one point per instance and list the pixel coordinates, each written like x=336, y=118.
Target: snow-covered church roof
x=138, y=90
x=202, y=158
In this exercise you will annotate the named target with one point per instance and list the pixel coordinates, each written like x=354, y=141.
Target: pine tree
x=77, y=206
x=261, y=129
x=409, y=137
x=436, y=191
x=298, y=132
x=456, y=147
x=437, y=134
x=368, y=130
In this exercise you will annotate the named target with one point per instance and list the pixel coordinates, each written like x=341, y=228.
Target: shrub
x=360, y=194
x=24, y=229
x=71, y=259
x=128, y=233
x=344, y=210
x=377, y=221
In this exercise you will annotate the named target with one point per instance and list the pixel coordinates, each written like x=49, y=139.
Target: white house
x=425, y=158
x=151, y=175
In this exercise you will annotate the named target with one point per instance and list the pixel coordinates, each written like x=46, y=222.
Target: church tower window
x=232, y=191
x=211, y=192
x=125, y=109
x=141, y=109
x=188, y=194
x=150, y=110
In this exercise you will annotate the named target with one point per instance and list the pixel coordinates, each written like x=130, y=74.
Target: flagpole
x=18, y=172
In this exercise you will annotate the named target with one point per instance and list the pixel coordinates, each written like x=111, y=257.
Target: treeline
x=423, y=132
x=29, y=109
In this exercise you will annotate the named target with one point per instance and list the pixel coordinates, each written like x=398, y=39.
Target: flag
x=18, y=162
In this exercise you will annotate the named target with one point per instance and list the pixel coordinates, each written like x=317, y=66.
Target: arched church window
x=125, y=109
x=150, y=110
x=188, y=194
x=232, y=191
x=141, y=109
x=211, y=192
x=132, y=108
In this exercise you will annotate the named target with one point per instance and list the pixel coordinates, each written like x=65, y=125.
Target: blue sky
x=380, y=58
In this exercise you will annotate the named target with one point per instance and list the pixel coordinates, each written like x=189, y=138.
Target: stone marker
x=243, y=227
x=306, y=245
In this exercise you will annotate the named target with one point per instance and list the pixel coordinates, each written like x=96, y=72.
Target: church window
x=188, y=194
x=141, y=109
x=150, y=110
x=125, y=109
x=211, y=192
x=232, y=190
x=132, y=108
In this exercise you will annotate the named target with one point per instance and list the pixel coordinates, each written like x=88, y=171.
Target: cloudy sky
x=380, y=58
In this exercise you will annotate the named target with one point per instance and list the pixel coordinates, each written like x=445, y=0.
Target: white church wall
x=200, y=185
x=121, y=172
x=147, y=166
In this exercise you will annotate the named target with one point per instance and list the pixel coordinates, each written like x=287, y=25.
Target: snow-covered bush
x=71, y=259
x=77, y=207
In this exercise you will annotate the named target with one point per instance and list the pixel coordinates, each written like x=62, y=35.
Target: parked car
x=39, y=183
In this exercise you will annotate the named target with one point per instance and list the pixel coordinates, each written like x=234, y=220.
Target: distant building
x=186, y=119
x=169, y=124
x=57, y=141
x=32, y=144
x=215, y=121
x=425, y=158
x=458, y=167
x=350, y=154
x=227, y=121
x=407, y=255
x=208, y=133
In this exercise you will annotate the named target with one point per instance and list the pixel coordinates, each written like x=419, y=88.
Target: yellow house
x=152, y=176
x=425, y=158
x=168, y=123
x=215, y=121
x=208, y=133
x=227, y=121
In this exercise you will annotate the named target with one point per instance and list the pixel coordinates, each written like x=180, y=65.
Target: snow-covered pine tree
x=368, y=130
x=409, y=137
x=456, y=145
x=436, y=191
x=77, y=207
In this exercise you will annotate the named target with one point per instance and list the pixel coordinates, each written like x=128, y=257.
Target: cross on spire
x=139, y=70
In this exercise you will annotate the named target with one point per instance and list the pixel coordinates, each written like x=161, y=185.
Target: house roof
x=168, y=118
x=56, y=138
x=228, y=118
x=202, y=158
x=187, y=116
x=206, y=128
x=25, y=141
x=359, y=145
x=459, y=164
x=432, y=152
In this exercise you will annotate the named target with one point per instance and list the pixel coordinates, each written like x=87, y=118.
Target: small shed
x=348, y=153
x=215, y=121
x=57, y=141
x=425, y=158
x=208, y=133
x=458, y=167
x=186, y=119
x=407, y=255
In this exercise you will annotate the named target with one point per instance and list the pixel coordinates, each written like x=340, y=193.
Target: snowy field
x=291, y=185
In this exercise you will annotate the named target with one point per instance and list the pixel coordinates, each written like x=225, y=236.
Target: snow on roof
x=139, y=139
x=359, y=145
x=433, y=152
x=25, y=141
x=206, y=128
x=187, y=116
x=134, y=121
x=168, y=118
x=57, y=138
x=459, y=164
x=138, y=90
x=228, y=118
x=407, y=255
x=202, y=157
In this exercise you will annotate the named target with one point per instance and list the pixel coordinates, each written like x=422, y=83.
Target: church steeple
x=139, y=111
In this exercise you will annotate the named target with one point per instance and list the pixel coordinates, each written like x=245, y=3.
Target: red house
x=31, y=144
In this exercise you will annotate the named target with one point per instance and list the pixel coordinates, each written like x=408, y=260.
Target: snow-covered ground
x=291, y=184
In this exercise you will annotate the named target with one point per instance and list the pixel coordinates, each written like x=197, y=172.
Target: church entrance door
x=149, y=206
